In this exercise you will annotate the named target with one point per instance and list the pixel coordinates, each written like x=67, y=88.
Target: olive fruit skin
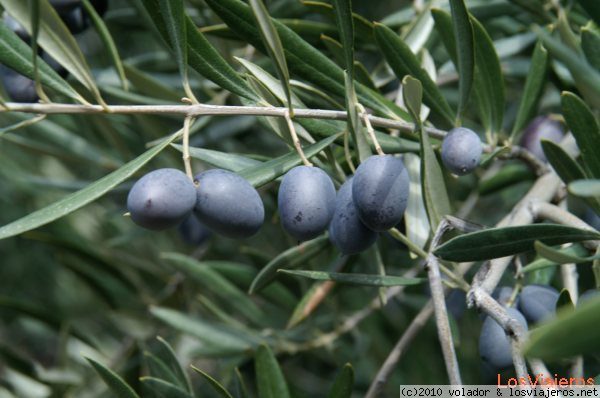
x=538, y=302
x=541, y=128
x=192, y=231
x=161, y=199
x=380, y=191
x=346, y=230
x=18, y=87
x=461, y=150
x=306, y=202
x=228, y=204
x=494, y=344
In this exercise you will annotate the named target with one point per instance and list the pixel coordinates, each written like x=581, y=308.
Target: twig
x=186, y=147
x=538, y=166
x=295, y=138
x=365, y=117
x=394, y=356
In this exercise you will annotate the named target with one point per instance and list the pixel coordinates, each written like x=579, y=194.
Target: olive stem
x=186, y=147
x=365, y=117
x=295, y=138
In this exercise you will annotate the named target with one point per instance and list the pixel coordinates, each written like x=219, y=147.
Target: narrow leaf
x=217, y=387
x=269, y=377
x=80, y=198
x=215, y=335
x=55, y=39
x=266, y=172
x=412, y=93
x=590, y=43
x=561, y=256
x=502, y=242
x=565, y=302
x=534, y=87
x=273, y=45
x=435, y=194
x=108, y=41
x=356, y=279
x=166, y=353
x=403, y=62
x=581, y=326
x=224, y=160
x=293, y=257
x=592, y=7
x=345, y=25
x=565, y=166
x=343, y=383
x=587, y=79
x=354, y=123
x=116, y=384
x=463, y=35
x=542, y=263
x=491, y=82
x=164, y=388
x=17, y=55
x=585, y=188
x=585, y=129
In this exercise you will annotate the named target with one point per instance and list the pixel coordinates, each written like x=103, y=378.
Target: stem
x=365, y=117
x=347, y=154
x=206, y=109
x=295, y=138
x=186, y=147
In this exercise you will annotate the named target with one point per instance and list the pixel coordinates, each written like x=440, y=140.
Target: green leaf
x=590, y=43
x=463, y=35
x=587, y=79
x=542, y=263
x=507, y=176
x=302, y=59
x=585, y=129
x=164, y=388
x=108, y=41
x=266, y=172
x=362, y=26
x=343, y=383
x=591, y=7
x=356, y=279
x=354, y=123
x=565, y=166
x=117, y=385
x=585, y=188
x=166, y=354
x=17, y=55
x=159, y=369
x=269, y=378
x=534, y=87
x=210, y=280
x=502, y=242
x=580, y=326
x=412, y=93
x=173, y=14
x=217, y=387
x=403, y=62
x=202, y=56
x=435, y=194
x=55, y=39
x=564, y=301
x=214, y=335
x=345, y=25
x=224, y=160
x=273, y=45
x=490, y=82
x=80, y=198
x=559, y=256
x=293, y=257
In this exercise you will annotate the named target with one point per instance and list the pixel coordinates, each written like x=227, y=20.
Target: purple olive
x=541, y=128
x=461, y=150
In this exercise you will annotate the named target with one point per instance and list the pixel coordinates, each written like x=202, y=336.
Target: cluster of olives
x=534, y=304
x=371, y=201
x=21, y=88
x=217, y=199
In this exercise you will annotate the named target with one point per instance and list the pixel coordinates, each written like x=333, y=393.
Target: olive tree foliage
x=92, y=304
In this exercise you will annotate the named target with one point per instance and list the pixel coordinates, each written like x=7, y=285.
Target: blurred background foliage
x=92, y=284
